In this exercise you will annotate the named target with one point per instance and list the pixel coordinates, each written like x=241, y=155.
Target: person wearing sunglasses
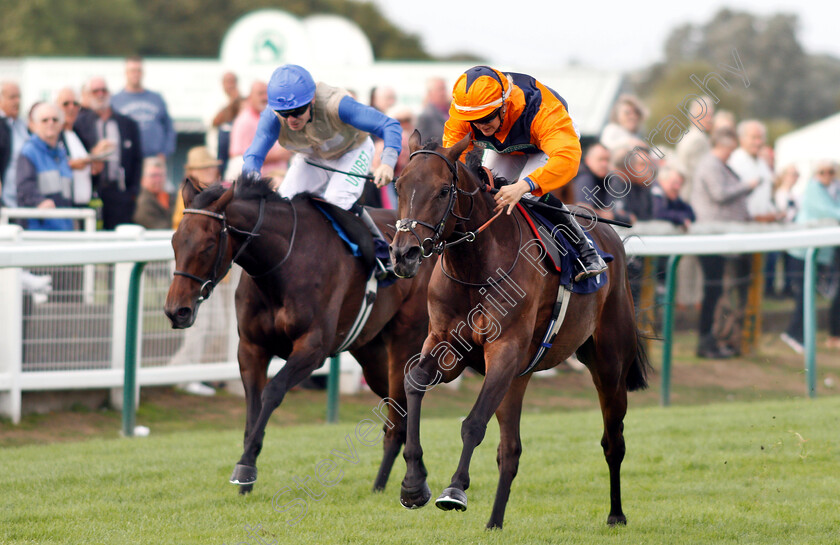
x=78, y=156
x=530, y=138
x=44, y=178
x=118, y=137
x=326, y=126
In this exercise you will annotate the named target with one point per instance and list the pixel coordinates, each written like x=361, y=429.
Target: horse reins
x=208, y=284
x=438, y=244
x=291, y=244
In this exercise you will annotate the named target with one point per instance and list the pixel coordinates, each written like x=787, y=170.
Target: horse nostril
x=413, y=253
x=184, y=312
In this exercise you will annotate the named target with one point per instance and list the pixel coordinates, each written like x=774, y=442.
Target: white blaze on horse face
x=411, y=201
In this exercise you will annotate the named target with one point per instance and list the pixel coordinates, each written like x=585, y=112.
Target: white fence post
x=11, y=332
x=86, y=215
x=89, y=271
x=122, y=276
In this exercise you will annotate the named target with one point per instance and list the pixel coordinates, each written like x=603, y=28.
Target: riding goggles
x=296, y=112
x=487, y=118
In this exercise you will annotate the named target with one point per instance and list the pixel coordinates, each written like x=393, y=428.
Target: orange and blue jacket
x=536, y=121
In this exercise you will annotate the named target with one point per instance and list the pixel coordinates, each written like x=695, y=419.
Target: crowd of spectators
x=720, y=172
x=118, y=149
x=108, y=141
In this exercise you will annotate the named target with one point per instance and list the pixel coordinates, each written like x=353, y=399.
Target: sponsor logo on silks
x=483, y=144
x=359, y=167
x=269, y=47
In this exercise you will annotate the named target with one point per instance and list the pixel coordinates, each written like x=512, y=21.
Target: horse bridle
x=437, y=243
x=208, y=284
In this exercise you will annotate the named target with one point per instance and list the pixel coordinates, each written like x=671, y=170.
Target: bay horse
x=298, y=301
x=496, y=331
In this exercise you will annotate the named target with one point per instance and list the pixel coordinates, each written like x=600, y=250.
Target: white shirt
x=747, y=167
x=82, y=186
x=614, y=137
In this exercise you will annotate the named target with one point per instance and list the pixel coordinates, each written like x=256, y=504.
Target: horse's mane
x=247, y=188
x=253, y=188
x=473, y=163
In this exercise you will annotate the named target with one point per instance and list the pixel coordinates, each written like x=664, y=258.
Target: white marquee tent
x=808, y=145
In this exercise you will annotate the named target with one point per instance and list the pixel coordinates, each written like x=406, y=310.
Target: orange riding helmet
x=478, y=92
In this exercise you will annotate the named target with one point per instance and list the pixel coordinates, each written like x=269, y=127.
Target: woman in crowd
x=625, y=125
x=820, y=201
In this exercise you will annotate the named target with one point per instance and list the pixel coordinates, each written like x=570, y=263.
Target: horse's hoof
x=416, y=498
x=243, y=474
x=245, y=489
x=615, y=520
x=452, y=498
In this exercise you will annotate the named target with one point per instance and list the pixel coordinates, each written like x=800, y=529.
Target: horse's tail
x=637, y=375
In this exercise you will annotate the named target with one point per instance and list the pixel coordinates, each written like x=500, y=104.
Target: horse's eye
x=208, y=249
x=444, y=192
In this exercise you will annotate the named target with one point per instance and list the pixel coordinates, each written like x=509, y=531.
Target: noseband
x=437, y=243
x=208, y=284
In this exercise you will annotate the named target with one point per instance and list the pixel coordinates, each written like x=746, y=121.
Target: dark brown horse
x=488, y=310
x=300, y=296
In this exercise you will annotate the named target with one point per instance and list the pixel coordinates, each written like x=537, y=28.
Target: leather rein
x=438, y=244
x=208, y=284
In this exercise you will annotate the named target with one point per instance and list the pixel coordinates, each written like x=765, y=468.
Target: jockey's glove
x=382, y=175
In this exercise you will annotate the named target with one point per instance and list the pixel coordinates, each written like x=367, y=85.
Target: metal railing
x=86, y=215
x=125, y=254
x=131, y=248
x=779, y=239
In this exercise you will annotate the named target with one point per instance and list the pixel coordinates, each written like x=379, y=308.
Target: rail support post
x=129, y=410
x=810, y=320
x=668, y=327
x=332, y=389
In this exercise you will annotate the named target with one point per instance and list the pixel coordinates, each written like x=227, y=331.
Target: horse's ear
x=221, y=203
x=414, y=141
x=189, y=189
x=454, y=153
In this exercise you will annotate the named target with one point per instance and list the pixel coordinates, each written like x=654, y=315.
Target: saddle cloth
x=355, y=235
x=562, y=253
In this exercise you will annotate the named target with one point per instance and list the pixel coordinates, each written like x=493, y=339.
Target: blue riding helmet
x=290, y=87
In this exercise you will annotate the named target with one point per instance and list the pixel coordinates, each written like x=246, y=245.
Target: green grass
x=760, y=472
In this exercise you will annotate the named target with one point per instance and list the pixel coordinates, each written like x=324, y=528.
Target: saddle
x=353, y=232
x=355, y=235
x=561, y=253
x=350, y=228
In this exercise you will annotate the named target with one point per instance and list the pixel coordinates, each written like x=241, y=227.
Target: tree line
x=162, y=28
x=789, y=87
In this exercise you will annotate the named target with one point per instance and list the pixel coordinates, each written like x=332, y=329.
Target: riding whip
x=331, y=169
x=537, y=204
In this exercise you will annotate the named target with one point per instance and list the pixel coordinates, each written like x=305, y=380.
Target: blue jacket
x=350, y=112
x=44, y=173
x=148, y=109
x=676, y=211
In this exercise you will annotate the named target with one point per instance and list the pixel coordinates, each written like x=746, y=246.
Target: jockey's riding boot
x=383, y=264
x=592, y=264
